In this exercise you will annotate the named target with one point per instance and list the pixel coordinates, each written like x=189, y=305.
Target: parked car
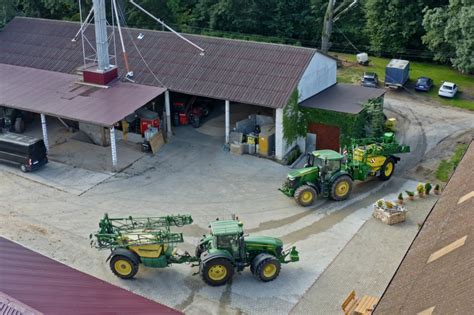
x=448, y=89
x=370, y=79
x=423, y=84
x=30, y=153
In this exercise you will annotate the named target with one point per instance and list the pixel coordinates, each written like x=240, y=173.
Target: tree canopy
x=450, y=33
x=440, y=30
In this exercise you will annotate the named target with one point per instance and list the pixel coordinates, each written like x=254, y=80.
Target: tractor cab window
x=329, y=167
x=229, y=242
x=309, y=160
x=333, y=165
x=226, y=241
x=319, y=162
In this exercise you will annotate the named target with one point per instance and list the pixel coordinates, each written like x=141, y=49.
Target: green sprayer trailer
x=328, y=173
x=149, y=241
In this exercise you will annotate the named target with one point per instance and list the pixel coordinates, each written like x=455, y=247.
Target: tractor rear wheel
x=268, y=268
x=217, y=271
x=341, y=188
x=124, y=265
x=305, y=195
x=387, y=169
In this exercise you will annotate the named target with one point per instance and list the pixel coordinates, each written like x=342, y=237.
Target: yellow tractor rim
x=217, y=272
x=123, y=267
x=269, y=270
x=307, y=196
x=388, y=169
x=342, y=188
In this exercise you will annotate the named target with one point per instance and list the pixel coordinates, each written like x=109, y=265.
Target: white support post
x=168, y=113
x=227, y=122
x=113, y=147
x=279, y=142
x=45, y=131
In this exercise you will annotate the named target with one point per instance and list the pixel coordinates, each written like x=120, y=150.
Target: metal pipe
x=168, y=113
x=45, y=132
x=113, y=147
x=227, y=121
x=62, y=122
x=100, y=24
x=124, y=53
x=169, y=28
x=82, y=28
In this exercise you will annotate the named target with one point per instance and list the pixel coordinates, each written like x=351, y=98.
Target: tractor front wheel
x=124, y=266
x=341, y=188
x=217, y=271
x=305, y=195
x=268, y=269
x=387, y=169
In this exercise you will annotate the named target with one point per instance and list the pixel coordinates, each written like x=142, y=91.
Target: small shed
x=336, y=114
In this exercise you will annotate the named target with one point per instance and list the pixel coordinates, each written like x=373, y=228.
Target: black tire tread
x=259, y=269
x=300, y=190
x=222, y=261
x=382, y=169
x=334, y=184
x=124, y=257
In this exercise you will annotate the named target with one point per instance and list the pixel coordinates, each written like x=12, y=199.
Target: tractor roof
x=327, y=154
x=226, y=227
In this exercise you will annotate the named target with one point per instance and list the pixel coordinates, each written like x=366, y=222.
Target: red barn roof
x=30, y=280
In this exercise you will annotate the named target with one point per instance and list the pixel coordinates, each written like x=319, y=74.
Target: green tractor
x=330, y=174
x=149, y=241
x=227, y=250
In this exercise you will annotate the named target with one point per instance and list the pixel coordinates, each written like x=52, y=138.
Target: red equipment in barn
x=147, y=118
x=189, y=112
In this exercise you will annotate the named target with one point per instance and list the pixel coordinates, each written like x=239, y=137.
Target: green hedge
x=369, y=122
x=352, y=126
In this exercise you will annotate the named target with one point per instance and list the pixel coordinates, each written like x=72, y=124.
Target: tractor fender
x=259, y=258
x=205, y=257
x=337, y=175
x=318, y=191
x=124, y=252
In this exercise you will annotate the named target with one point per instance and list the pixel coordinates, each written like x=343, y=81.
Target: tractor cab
x=328, y=161
x=228, y=236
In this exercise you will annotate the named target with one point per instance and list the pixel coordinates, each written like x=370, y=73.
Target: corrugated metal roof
x=438, y=270
x=344, y=98
x=241, y=71
x=56, y=94
x=54, y=288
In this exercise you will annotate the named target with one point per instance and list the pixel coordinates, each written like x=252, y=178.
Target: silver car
x=370, y=79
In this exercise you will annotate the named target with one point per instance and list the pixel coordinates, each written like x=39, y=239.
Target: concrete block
x=98, y=134
x=236, y=137
x=236, y=148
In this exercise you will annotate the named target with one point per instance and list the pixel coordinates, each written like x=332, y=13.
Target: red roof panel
x=57, y=94
x=51, y=287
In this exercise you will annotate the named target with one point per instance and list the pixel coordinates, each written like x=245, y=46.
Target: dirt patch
x=426, y=170
x=37, y=229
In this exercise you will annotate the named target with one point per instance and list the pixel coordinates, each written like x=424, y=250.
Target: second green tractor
x=330, y=174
